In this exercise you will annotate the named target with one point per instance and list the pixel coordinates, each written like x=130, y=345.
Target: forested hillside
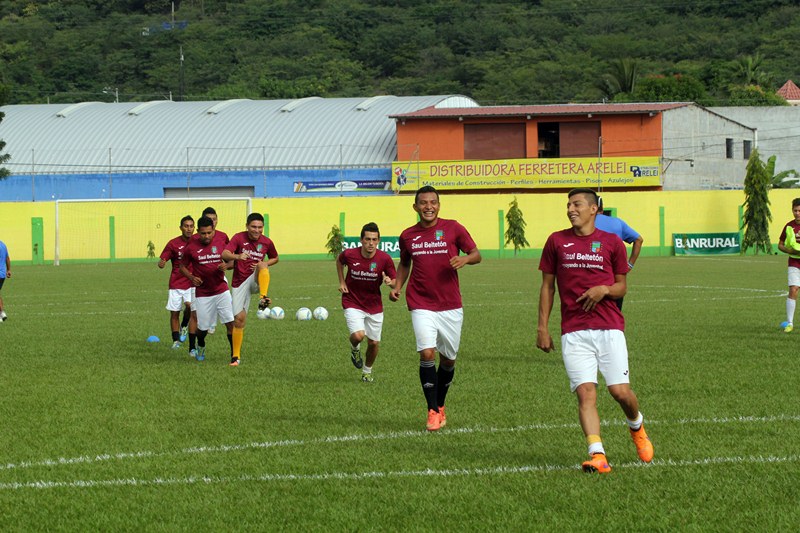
x=716, y=52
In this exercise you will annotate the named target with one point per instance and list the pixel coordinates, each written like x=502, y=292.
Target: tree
x=621, y=78
x=4, y=173
x=756, y=206
x=335, y=243
x=753, y=95
x=515, y=233
x=781, y=180
x=748, y=70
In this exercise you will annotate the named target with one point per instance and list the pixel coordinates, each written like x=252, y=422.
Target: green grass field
x=101, y=431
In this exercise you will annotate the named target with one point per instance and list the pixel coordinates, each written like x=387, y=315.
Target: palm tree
x=621, y=78
x=781, y=180
x=748, y=70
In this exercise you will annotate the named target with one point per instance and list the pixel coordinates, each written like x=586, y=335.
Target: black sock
x=445, y=378
x=187, y=313
x=230, y=341
x=175, y=336
x=201, y=338
x=192, y=339
x=427, y=377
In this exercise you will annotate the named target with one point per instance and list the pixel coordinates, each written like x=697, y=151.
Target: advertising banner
x=390, y=245
x=706, y=243
x=605, y=172
x=341, y=186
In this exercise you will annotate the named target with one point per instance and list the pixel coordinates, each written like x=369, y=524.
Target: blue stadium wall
x=264, y=184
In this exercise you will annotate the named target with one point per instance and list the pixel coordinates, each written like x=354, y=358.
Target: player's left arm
x=635, y=250
x=472, y=258
x=592, y=297
x=8, y=265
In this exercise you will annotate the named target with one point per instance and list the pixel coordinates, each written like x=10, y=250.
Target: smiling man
x=589, y=265
x=433, y=245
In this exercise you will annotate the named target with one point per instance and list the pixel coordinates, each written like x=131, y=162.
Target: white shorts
x=209, y=308
x=794, y=277
x=241, y=294
x=586, y=351
x=438, y=329
x=178, y=298
x=358, y=320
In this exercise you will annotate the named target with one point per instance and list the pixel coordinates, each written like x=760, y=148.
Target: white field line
x=358, y=476
x=333, y=439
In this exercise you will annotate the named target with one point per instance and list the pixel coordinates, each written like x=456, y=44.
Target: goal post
x=129, y=229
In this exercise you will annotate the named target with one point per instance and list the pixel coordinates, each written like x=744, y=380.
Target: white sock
x=367, y=370
x=596, y=447
x=790, y=305
x=635, y=424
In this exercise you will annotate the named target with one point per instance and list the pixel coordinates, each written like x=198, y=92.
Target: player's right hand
x=394, y=295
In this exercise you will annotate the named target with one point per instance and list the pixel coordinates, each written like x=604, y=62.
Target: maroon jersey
x=364, y=279
x=173, y=251
x=793, y=262
x=579, y=263
x=203, y=261
x=433, y=283
x=259, y=250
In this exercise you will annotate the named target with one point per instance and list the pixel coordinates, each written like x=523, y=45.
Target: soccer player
x=621, y=229
x=253, y=254
x=211, y=213
x=589, y=266
x=787, y=247
x=207, y=274
x=5, y=272
x=434, y=297
x=180, y=288
x=367, y=269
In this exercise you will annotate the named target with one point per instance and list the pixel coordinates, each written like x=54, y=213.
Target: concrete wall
x=300, y=227
x=694, y=156
x=778, y=131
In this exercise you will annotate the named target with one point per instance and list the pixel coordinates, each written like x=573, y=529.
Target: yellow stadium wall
x=299, y=226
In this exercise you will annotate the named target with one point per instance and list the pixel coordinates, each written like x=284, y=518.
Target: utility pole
x=181, y=78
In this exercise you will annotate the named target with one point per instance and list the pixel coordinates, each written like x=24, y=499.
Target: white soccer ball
x=276, y=313
x=304, y=313
x=320, y=313
x=263, y=314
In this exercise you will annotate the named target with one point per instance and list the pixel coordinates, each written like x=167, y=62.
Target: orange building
x=629, y=146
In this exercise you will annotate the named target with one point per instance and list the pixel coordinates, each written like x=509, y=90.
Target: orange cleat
x=643, y=445
x=234, y=361
x=442, y=417
x=434, y=420
x=598, y=463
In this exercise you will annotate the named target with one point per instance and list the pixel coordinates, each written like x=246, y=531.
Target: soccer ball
x=263, y=314
x=304, y=313
x=320, y=313
x=276, y=313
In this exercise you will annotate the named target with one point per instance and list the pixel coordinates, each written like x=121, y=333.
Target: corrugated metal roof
x=539, y=110
x=164, y=135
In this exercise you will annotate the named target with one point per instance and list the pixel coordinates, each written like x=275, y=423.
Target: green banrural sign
x=706, y=243
x=390, y=245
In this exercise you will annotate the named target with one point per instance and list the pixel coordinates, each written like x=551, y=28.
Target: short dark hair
x=795, y=202
x=254, y=216
x=423, y=190
x=204, y=222
x=589, y=193
x=187, y=217
x=209, y=211
x=370, y=226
